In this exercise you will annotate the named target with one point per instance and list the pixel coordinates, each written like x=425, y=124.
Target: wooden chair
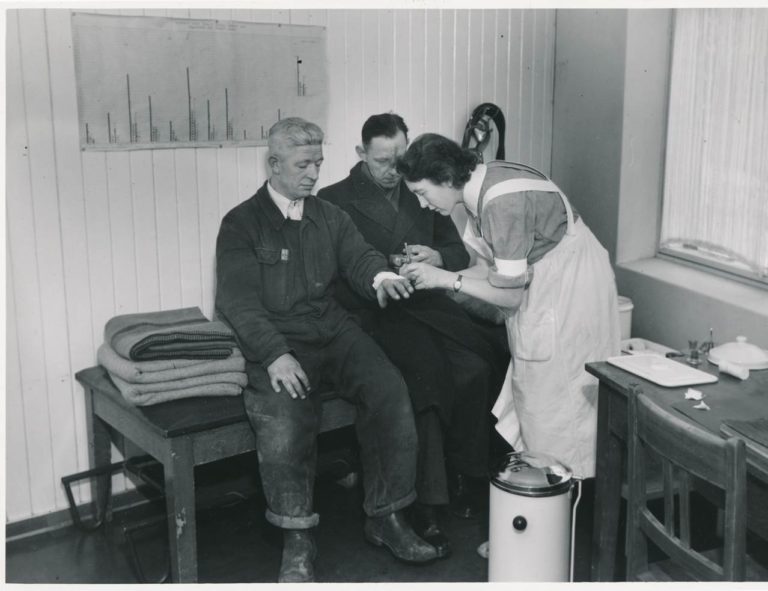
x=686, y=453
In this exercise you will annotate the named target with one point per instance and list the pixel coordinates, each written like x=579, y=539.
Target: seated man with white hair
x=279, y=256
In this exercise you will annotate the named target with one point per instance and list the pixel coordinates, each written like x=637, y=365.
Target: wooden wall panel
x=95, y=234
x=18, y=480
x=53, y=402
x=74, y=252
x=143, y=197
x=208, y=212
x=338, y=121
x=461, y=105
x=403, y=68
x=386, y=49
x=167, y=220
x=189, y=228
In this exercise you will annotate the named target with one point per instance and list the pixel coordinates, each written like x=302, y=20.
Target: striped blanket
x=165, y=370
x=169, y=334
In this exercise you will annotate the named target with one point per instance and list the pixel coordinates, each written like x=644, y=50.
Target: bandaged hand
x=394, y=289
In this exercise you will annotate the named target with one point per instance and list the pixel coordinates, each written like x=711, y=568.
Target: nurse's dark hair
x=385, y=124
x=437, y=159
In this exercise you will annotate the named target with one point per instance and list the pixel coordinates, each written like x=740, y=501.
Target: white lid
x=625, y=304
x=741, y=353
x=532, y=474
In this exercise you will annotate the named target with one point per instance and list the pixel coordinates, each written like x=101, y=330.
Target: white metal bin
x=530, y=519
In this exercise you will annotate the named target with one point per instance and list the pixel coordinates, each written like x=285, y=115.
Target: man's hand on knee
x=286, y=370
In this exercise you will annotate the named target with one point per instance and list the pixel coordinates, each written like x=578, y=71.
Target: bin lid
x=625, y=304
x=532, y=474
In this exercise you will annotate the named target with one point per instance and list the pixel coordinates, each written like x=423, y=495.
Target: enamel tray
x=662, y=371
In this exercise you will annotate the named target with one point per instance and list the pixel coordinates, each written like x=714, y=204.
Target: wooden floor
x=237, y=545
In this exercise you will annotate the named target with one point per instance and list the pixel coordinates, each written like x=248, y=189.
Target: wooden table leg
x=607, y=493
x=99, y=454
x=180, y=506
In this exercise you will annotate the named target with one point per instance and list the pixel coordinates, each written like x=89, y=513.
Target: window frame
x=689, y=256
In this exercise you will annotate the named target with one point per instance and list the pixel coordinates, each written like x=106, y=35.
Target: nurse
x=539, y=262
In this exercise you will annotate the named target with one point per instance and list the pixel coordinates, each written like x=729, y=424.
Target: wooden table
x=180, y=434
x=615, y=386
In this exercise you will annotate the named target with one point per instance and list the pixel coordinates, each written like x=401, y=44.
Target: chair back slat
x=669, y=496
x=687, y=453
x=699, y=566
x=684, y=495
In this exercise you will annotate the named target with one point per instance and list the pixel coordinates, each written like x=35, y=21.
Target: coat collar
x=371, y=203
x=263, y=200
x=369, y=200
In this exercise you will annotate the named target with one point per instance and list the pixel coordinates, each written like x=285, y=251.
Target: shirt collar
x=472, y=189
x=283, y=202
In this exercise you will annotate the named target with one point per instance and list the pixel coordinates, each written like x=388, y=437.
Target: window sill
x=750, y=299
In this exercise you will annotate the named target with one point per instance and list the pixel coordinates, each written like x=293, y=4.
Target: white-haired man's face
x=296, y=170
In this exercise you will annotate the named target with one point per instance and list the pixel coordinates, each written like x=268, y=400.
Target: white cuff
x=382, y=275
x=511, y=268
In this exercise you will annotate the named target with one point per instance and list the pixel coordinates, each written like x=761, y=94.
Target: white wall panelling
x=94, y=234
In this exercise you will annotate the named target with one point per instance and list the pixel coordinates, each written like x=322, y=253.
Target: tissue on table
x=692, y=394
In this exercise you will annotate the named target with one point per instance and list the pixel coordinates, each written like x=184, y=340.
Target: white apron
x=568, y=317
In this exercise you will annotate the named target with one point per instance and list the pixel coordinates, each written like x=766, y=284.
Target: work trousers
x=452, y=389
x=286, y=429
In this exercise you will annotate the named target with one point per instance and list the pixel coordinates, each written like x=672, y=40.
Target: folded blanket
x=169, y=334
x=165, y=370
x=224, y=384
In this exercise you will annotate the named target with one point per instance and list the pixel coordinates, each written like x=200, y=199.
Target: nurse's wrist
x=453, y=282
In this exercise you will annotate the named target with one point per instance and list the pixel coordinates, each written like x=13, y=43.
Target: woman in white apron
x=542, y=265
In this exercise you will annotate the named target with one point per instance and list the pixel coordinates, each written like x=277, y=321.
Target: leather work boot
x=299, y=553
x=393, y=532
x=425, y=524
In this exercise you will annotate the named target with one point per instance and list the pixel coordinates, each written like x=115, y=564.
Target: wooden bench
x=180, y=435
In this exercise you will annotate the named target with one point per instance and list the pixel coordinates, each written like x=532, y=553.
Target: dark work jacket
x=255, y=270
x=387, y=230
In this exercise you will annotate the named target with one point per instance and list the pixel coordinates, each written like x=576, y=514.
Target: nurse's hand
x=424, y=254
x=286, y=370
x=424, y=276
x=395, y=289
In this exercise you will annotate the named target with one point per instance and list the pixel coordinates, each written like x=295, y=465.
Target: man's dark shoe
x=393, y=532
x=299, y=553
x=466, y=496
x=425, y=524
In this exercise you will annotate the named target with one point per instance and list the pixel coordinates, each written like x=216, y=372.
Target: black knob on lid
x=519, y=523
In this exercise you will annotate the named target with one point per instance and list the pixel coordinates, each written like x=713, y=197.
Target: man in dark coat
x=279, y=256
x=453, y=366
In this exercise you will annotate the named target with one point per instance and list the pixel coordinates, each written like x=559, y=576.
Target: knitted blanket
x=223, y=384
x=165, y=370
x=169, y=334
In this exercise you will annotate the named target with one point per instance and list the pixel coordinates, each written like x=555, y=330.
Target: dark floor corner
x=237, y=545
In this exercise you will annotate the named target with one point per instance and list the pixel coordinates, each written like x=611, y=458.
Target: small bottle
x=707, y=346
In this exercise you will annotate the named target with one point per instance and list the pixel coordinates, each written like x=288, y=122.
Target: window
x=716, y=176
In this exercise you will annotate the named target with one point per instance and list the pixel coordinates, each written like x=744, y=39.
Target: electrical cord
x=573, y=526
